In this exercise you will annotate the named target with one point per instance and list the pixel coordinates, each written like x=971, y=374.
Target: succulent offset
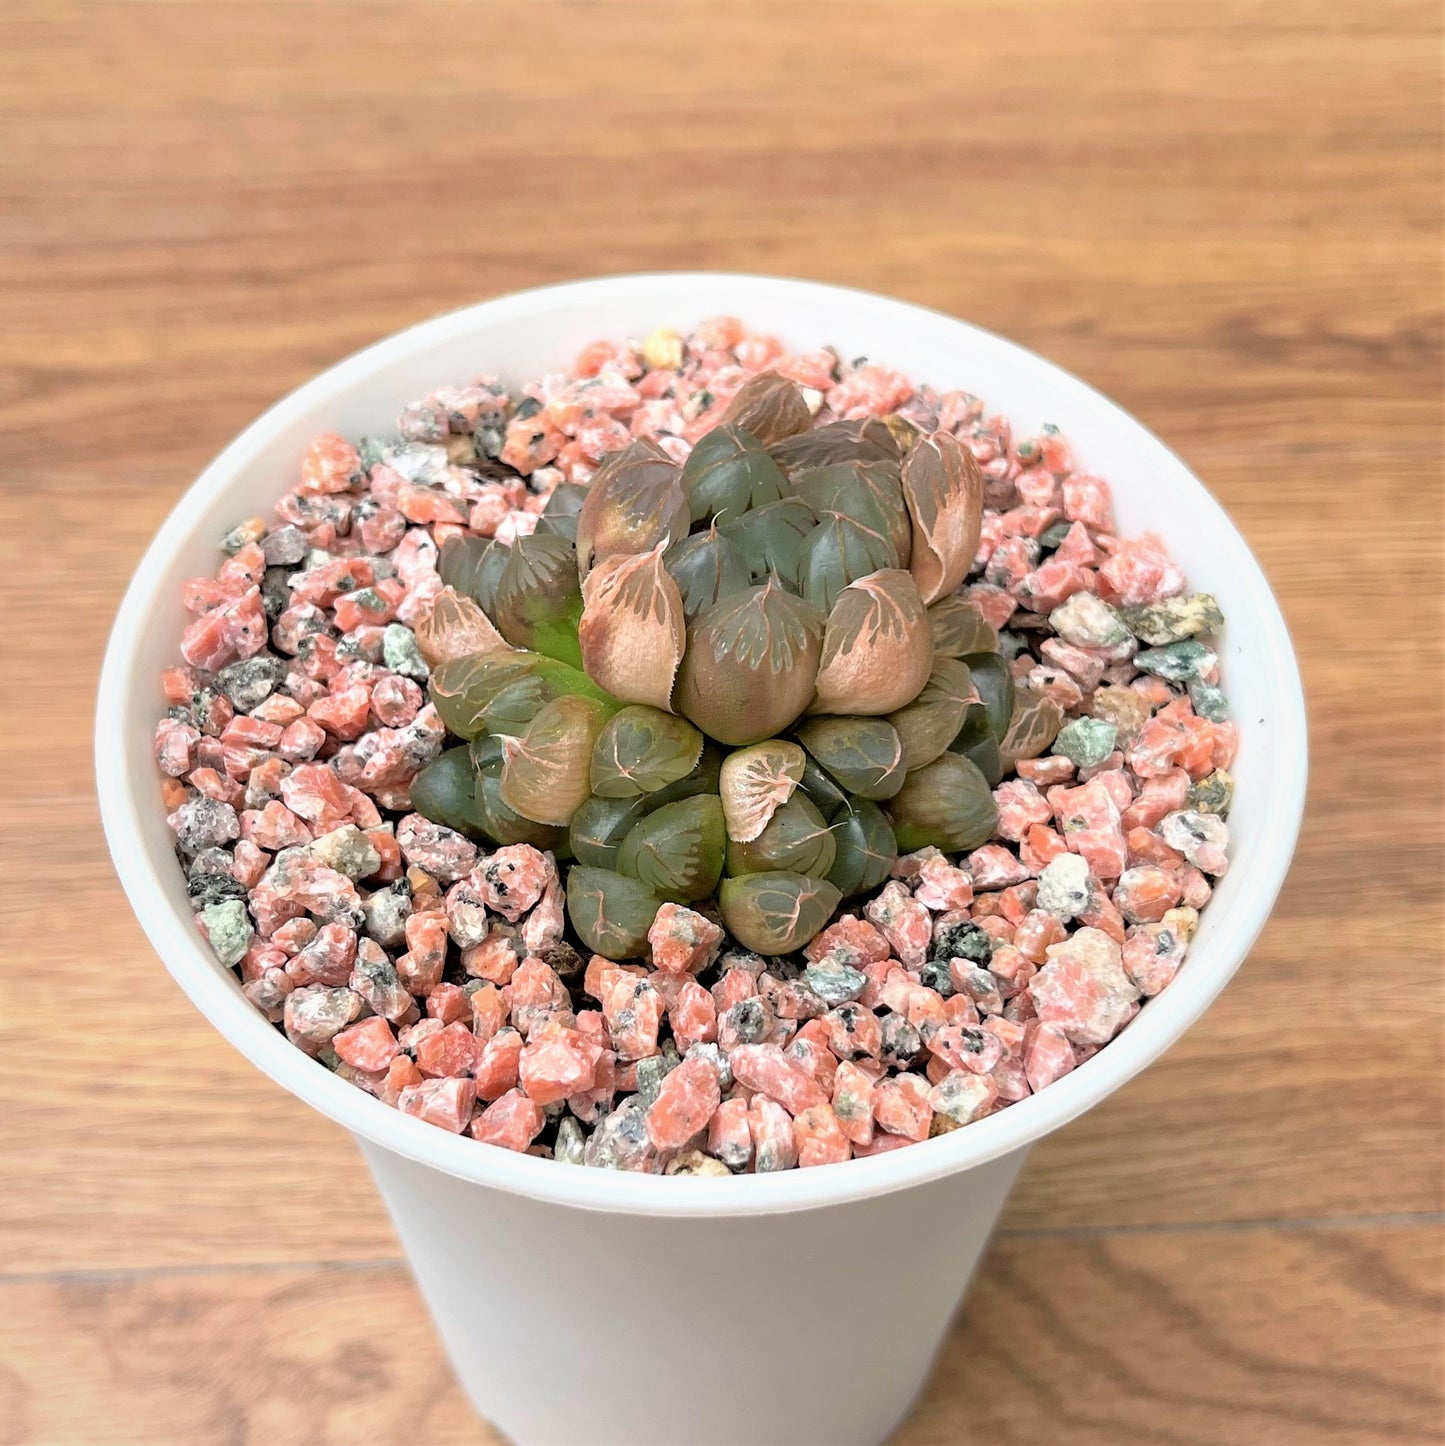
x=746, y=678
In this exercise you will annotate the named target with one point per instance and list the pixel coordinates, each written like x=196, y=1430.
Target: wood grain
x=1228, y=217
x=1188, y=1337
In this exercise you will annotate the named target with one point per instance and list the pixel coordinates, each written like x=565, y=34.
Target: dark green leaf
x=729, y=471
x=796, y=839
x=776, y=913
x=445, y=792
x=678, y=849
x=610, y=912
x=706, y=567
x=947, y=803
x=840, y=550
x=641, y=749
x=769, y=539
x=599, y=826
x=865, y=849
x=995, y=686
x=539, y=599
x=864, y=755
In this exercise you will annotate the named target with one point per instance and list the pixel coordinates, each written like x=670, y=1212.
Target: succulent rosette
x=745, y=682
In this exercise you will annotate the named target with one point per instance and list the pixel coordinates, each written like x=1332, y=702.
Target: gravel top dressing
x=711, y=759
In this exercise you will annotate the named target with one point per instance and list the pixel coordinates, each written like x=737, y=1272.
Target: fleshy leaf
x=946, y=803
x=704, y=778
x=995, y=686
x=770, y=539
x=706, y=567
x=633, y=502
x=633, y=632
x=932, y=720
x=750, y=665
x=474, y=566
x=977, y=743
x=868, y=492
x=505, y=825
x=559, y=516
x=959, y=628
x=539, y=602
x=943, y=487
x=510, y=712
x=864, y=755
x=1035, y=724
x=463, y=688
x=599, y=826
x=678, y=849
x=865, y=849
x=827, y=797
x=641, y=749
x=797, y=840
x=903, y=433
x=877, y=647
x=486, y=751
x=840, y=550
x=727, y=472
x=867, y=440
x=546, y=772
x=770, y=407
x=454, y=626
x=755, y=782
x=610, y=912
x=445, y=792
x=776, y=913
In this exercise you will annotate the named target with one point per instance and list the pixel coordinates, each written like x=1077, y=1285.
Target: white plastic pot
x=584, y=1306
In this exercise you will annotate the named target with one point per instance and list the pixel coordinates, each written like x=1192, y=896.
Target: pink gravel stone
x=765, y=1069
x=728, y=1137
x=1019, y=804
x=685, y=1103
x=819, y=1139
x=513, y=879
x=1152, y=955
x=994, y=867
x=496, y=1068
x=964, y=1047
x=556, y=1062
x=903, y=921
x=848, y=940
x=513, y=1121
x=1089, y=820
x=901, y=1107
x=1048, y=1055
x=445, y=854
x=1083, y=989
x=452, y=1050
x=942, y=886
x=446, y=1103
x=538, y=997
x=963, y=1097
x=370, y=1045
x=633, y=1010
x=543, y=926
x=853, y=1102
x=682, y=940
x=693, y=1015
x=1145, y=895
x=771, y=1127
x=489, y=1012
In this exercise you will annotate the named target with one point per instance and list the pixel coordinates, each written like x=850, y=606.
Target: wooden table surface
x=1225, y=215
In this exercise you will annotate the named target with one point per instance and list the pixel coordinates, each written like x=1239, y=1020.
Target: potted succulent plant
x=744, y=682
